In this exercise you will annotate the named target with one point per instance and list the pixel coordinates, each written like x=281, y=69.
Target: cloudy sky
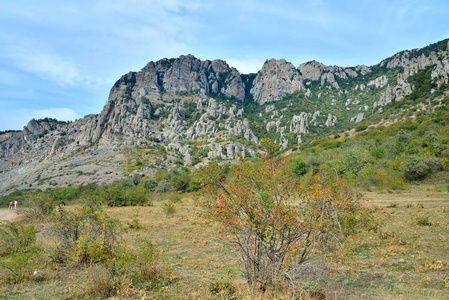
x=59, y=59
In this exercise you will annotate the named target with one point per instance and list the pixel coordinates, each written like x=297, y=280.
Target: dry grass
x=403, y=261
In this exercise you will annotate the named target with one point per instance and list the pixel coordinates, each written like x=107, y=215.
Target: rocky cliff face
x=183, y=74
x=172, y=107
x=411, y=62
x=276, y=78
x=315, y=71
x=279, y=77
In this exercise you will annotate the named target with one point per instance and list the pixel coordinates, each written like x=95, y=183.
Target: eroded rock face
x=279, y=77
x=412, y=64
x=300, y=124
x=316, y=71
x=379, y=82
x=275, y=80
x=331, y=120
x=185, y=74
x=172, y=103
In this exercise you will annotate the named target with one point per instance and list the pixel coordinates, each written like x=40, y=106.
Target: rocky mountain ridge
x=186, y=111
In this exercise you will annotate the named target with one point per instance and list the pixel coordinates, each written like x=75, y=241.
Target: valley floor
x=407, y=259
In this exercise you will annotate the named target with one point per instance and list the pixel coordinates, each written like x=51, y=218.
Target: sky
x=59, y=59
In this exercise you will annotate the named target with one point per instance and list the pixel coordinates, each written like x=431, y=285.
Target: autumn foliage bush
x=281, y=228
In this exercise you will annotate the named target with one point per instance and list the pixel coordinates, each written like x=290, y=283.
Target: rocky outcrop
x=129, y=111
x=279, y=77
x=379, y=82
x=316, y=71
x=358, y=118
x=275, y=80
x=397, y=93
x=411, y=62
x=229, y=151
x=171, y=105
x=300, y=124
x=183, y=74
x=331, y=120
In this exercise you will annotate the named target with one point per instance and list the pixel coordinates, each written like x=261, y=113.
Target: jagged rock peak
x=276, y=78
x=316, y=71
x=279, y=77
x=183, y=74
x=402, y=58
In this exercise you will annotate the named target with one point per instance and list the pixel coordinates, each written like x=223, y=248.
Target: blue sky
x=59, y=59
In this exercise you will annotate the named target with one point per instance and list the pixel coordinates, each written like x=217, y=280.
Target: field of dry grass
x=407, y=259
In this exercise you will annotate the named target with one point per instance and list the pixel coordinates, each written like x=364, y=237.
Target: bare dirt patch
x=7, y=214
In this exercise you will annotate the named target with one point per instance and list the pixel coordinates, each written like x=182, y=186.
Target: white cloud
x=47, y=66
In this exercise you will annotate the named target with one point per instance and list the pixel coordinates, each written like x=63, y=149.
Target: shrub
x=116, y=196
x=354, y=160
x=134, y=223
x=174, y=197
x=93, y=247
x=18, y=265
x=136, y=196
x=280, y=228
x=361, y=127
x=314, y=162
x=89, y=231
x=41, y=204
x=148, y=183
x=124, y=184
x=423, y=221
x=16, y=238
x=223, y=288
x=163, y=187
x=419, y=168
x=140, y=267
x=136, y=178
x=377, y=152
x=169, y=209
x=161, y=175
x=17, y=243
x=298, y=166
x=180, y=180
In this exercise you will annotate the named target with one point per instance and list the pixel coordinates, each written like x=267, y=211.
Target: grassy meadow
x=147, y=239
x=406, y=259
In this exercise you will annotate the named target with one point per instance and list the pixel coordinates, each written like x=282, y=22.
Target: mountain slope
x=185, y=111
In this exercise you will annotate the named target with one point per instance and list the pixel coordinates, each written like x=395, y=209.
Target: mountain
x=185, y=111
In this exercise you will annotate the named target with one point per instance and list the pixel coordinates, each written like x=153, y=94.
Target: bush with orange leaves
x=282, y=229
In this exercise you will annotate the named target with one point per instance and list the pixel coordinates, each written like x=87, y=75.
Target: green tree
x=354, y=160
x=419, y=168
x=298, y=166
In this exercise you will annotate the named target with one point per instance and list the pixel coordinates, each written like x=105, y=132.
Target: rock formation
x=276, y=78
x=175, y=105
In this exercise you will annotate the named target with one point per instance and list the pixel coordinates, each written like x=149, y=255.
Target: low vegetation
x=185, y=257
x=285, y=232
x=272, y=227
